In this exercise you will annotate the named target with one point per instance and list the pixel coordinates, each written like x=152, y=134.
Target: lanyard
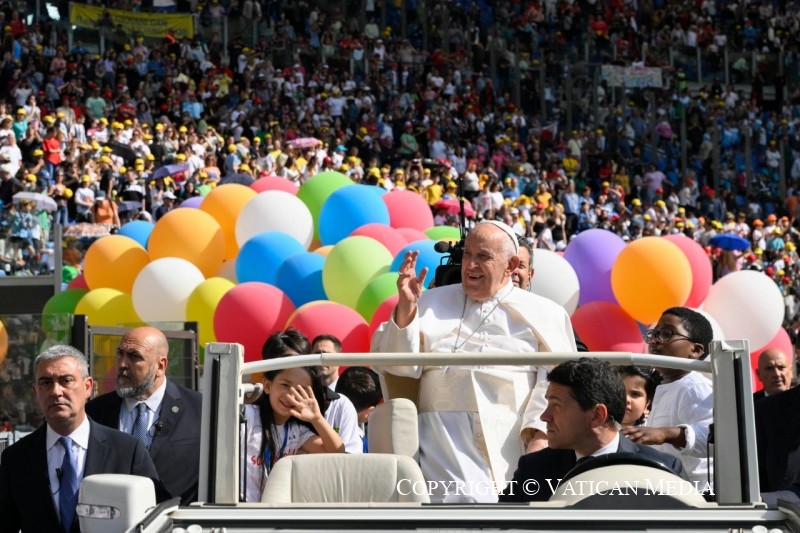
x=268, y=463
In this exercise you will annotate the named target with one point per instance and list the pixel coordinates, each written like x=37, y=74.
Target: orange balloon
x=113, y=262
x=314, y=244
x=650, y=275
x=224, y=203
x=324, y=250
x=192, y=235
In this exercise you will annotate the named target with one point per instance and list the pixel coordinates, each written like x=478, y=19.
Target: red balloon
x=782, y=341
x=383, y=313
x=249, y=313
x=605, y=326
x=413, y=235
x=316, y=318
x=391, y=238
x=274, y=183
x=702, y=274
x=78, y=282
x=408, y=210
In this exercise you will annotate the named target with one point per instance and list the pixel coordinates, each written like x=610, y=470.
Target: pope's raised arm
x=409, y=288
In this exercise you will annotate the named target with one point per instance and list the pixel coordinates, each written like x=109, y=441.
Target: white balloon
x=275, y=211
x=747, y=305
x=228, y=270
x=554, y=278
x=162, y=288
x=718, y=334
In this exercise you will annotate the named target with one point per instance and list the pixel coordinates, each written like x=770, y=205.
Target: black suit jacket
x=778, y=439
x=175, y=449
x=759, y=395
x=26, y=501
x=554, y=464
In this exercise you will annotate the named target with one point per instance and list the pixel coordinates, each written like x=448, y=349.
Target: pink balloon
x=413, y=235
x=383, y=313
x=249, y=313
x=78, y=282
x=702, y=274
x=408, y=210
x=274, y=183
x=605, y=326
x=391, y=238
x=316, y=318
x=780, y=340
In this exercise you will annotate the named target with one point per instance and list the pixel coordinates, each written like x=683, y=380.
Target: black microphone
x=442, y=247
x=59, y=473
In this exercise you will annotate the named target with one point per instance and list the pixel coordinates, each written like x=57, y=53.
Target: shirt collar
x=611, y=447
x=80, y=436
x=152, y=402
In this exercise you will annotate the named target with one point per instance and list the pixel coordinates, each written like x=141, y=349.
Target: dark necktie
x=140, y=425
x=68, y=485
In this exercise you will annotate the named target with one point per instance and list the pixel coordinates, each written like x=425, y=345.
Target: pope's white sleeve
x=389, y=338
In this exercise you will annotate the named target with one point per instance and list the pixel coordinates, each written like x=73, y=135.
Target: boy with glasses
x=682, y=406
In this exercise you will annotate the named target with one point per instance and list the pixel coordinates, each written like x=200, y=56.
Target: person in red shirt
x=51, y=147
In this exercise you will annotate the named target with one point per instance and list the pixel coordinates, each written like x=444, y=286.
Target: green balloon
x=350, y=266
x=316, y=190
x=438, y=233
x=376, y=292
x=64, y=302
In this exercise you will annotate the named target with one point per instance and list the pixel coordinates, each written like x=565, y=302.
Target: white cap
x=507, y=229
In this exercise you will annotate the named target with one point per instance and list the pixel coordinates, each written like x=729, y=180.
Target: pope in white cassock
x=473, y=419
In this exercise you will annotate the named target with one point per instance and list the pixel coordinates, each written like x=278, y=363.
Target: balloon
x=781, y=341
x=202, y=304
x=428, y=257
x=64, y=302
x=315, y=191
x=347, y=209
x=114, y=262
x=412, y=235
x=408, y=209
x=323, y=250
x=649, y=276
x=192, y=235
x=228, y=270
x=261, y=257
x=376, y=291
x=592, y=254
x=3, y=342
x=193, y=202
x=444, y=233
x=314, y=244
x=300, y=277
x=79, y=282
x=225, y=203
x=316, y=318
x=554, y=278
x=748, y=305
x=249, y=313
x=716, y=329
x=702, y=273
x=350, y=266
x=138, y=230
x=275, y=211
x=162, y=289
x=274, y=183
x=107, y=307
x=392, y=239
x=605, y=326
x=383, y=313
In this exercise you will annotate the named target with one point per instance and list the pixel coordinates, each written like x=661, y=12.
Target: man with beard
x=164, y=415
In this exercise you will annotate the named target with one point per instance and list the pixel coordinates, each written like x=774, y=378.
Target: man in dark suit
x=586, y=400
x=40, y=474
x=168, y=420
x=774, y=371
x=778, y=441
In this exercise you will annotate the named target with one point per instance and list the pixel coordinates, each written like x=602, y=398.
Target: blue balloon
x=428, y=257
x=261, y=257
x=349, y=208
x=138, y=230
x=300, y=277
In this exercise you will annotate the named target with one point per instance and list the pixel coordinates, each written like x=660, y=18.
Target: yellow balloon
x=202, y=304
x=192, y=235
x=108, y=307
x=649, y=276
x=224, y=204
x=113, y=262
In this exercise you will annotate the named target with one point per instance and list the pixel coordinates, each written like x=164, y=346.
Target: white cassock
x=471, y=417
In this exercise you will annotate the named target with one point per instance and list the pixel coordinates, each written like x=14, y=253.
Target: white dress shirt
x=56, y=452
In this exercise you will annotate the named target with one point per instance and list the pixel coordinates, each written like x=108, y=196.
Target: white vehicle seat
x=394, y=428
x=345, y=478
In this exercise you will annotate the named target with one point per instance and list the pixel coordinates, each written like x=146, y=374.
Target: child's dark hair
x=361, y=385
x=285, y=344
x=651, y=381
x=697, y=326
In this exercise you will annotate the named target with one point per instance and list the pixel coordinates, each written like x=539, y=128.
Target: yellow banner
x=145, y=24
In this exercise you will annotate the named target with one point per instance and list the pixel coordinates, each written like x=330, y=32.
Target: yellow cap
x=181, y=157
x=244, y=167
x=107, y=150
x=86, y=177
x=60, y=115
x=31, y=177
x=151, y=157
x=67, y=193
x=231, y=147
x=38, y=153
x=159, y=127
x=128, y=122
x=105, y=159
x=183, y=129
x=95, y=145
x=103, y=120
x=122, y=170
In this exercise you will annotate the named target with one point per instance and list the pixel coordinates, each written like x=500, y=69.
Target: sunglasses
x=663, y=335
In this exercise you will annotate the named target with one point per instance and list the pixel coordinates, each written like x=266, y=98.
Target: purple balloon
x=592, y=254
x=194, y=201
